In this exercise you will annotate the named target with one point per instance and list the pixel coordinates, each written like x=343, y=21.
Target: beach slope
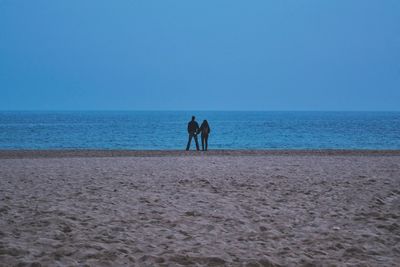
x=226, y=208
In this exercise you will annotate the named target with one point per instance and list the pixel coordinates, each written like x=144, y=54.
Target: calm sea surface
x=229, y=130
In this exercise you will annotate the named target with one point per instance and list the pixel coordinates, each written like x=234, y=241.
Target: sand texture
x=216, y=210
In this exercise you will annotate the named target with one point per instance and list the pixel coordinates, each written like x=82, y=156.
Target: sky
x=199, y=55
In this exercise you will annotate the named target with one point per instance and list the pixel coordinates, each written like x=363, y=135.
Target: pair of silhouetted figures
x=194, y=129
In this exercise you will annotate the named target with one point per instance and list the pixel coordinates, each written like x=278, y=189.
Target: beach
x=220, y=208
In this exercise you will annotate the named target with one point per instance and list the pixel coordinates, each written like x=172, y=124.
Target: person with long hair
x=205, y=131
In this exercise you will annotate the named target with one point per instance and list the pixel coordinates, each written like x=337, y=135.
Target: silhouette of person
x=193, y=128
x=205, y=131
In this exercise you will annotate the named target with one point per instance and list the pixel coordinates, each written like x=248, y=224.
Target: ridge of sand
x=9, y=154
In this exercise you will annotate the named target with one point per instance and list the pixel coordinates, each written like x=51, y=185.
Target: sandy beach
x=222, y=208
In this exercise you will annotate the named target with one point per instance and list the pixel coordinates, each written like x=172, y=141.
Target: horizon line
x=187, y=110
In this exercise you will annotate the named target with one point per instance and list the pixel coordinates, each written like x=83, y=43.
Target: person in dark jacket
x=193, y=128
x=205, y=131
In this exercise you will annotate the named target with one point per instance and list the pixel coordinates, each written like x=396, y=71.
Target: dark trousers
x=190, y=140
x=204, y=141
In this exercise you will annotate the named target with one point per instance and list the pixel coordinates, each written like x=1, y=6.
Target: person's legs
x=197, y=142
x=206, y=141
x=189, y=141
x=202, y=142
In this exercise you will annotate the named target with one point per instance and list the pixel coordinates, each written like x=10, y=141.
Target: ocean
x=163, y=130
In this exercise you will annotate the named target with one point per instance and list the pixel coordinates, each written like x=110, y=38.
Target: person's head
x=205, y=122
x=193, y=118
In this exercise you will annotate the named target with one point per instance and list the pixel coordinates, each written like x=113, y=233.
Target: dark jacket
x=205, y=129
x=193, y=127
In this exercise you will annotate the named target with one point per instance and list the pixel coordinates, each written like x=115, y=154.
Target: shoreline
x=72, y=153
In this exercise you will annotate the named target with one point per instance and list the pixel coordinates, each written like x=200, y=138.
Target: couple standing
x=194, y=129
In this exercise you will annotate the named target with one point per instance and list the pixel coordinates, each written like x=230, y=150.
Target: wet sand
x=223, y=208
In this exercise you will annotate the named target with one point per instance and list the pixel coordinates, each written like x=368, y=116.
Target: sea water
x=229, y=130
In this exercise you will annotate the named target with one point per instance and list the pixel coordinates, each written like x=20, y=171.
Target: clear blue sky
x=200, y=55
